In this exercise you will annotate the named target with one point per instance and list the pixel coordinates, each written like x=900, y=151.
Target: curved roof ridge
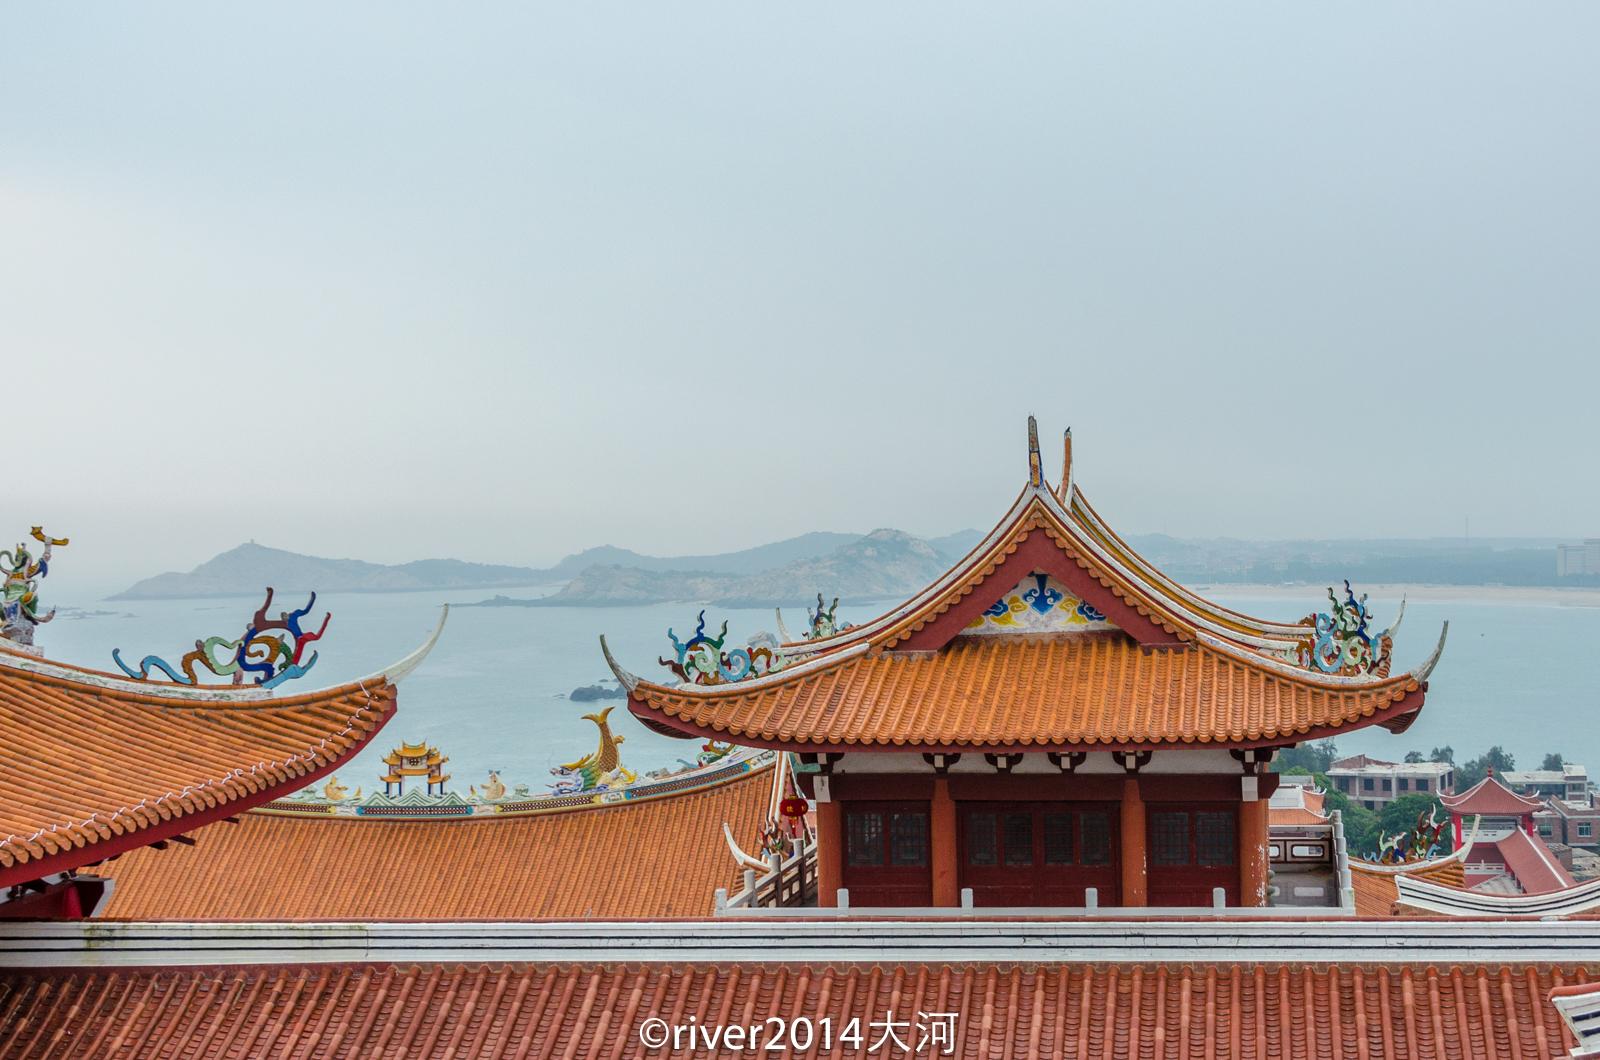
x=199, y=696
x=986, y=545
x=1294, y=672
x=1098, y=525
x=1451, y=802
x=1406, y=867
x=815, y=664
x=739, y=764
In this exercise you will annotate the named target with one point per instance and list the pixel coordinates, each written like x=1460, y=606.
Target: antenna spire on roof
x=1035, y=467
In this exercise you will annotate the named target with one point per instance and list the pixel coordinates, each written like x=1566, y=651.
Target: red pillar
x=1455, y=818
x=942, y=840
x=1254, y=852
x=1133, y=842
x=830, y=853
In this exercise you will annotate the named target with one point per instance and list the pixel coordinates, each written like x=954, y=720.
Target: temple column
x=1133, y=843
x=1255, y=853
x=942, y=845
x=830, y=852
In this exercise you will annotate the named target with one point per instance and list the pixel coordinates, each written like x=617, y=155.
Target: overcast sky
x=504, y=281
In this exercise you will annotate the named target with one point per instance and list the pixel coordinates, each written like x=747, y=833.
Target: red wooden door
x=1190, y=849
x=1039, y=854
x=886, y=854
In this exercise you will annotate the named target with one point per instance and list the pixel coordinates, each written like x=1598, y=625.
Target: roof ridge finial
x=1035, y=466
x=1066, y=463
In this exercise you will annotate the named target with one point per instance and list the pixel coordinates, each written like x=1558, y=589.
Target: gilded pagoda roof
x=103, y=764
x=1148, y=663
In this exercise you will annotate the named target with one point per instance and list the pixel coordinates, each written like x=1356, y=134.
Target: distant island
x=884, y=563
x=857, y=567
x=246, y=570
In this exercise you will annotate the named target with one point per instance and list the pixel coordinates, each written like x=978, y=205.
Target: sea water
x=1517, y=671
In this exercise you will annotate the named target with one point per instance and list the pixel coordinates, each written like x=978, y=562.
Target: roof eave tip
x=1421, y=673
x=400, y=670
x=624, y=678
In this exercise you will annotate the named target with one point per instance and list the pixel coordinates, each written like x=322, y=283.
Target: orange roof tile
x=1157, y=1012
x=94, y=764
x=656, y=858
x=101, y=764
x=1068, y=690
x=1376, y=893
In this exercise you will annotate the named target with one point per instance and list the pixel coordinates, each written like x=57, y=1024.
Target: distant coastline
x=1533, y=595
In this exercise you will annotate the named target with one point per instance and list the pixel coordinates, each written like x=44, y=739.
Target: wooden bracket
x=1003, y=763
x=1068, y=762
x=1133, y=761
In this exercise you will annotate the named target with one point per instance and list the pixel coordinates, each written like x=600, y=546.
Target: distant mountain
x=745, y=561
x=884, y=563
x=246, y=570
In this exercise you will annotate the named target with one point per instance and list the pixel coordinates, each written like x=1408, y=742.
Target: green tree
x=1402, y=814
x=1443, y=754
x=1413, y=756
x=1360, y=824
x=1313, y=757
x=1553, y=761
x=1496, y=758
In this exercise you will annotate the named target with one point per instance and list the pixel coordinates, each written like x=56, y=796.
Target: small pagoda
x=1053, y=723
x=1500, y=808
x=415, y=760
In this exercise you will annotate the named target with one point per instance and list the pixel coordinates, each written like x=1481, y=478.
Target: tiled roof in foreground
x=100, y=764
x=656, y=858
x=1152, y=1011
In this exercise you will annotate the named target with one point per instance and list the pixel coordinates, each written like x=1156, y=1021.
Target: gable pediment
x=1040, y=603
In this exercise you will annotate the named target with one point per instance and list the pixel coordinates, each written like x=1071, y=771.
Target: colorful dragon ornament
x=701, y=660
x=271, y=651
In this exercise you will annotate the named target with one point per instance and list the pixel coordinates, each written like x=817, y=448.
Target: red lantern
x=793, y=807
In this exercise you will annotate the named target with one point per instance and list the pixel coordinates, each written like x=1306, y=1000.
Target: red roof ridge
x=1490, y=797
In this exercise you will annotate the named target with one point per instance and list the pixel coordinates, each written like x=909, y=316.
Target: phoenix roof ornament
x=19, y=593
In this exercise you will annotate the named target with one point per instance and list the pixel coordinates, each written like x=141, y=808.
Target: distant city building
x=1570, y=782
x=1578, y=559
x=1374, y=783
x=1577, y=824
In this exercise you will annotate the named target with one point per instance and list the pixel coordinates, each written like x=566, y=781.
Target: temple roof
x=1044, y=692
x=1051, y=633
x=1377, y=886
x=102, y=764
x=651, y=858
x=1160, y=1011
x=1296, y=804
x=1530, y=862
x=1490, y=797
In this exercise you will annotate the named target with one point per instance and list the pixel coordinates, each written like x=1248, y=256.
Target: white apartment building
x=1374, y=783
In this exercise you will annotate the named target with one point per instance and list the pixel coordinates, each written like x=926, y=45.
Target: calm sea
x=492, y=694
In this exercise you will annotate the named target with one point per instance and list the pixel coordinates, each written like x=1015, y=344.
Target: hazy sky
x=504, y=281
